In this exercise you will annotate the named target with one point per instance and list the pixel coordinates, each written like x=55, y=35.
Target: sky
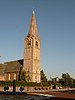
x=56, y=28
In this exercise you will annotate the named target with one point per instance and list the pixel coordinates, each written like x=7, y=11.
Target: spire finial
x=33, y=27
x=33, y=12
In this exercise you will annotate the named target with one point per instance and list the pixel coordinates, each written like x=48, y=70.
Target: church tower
x=32, y=52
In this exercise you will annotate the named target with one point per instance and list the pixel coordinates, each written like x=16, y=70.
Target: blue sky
x=56, y=27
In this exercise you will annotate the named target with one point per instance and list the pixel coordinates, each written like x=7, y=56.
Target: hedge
x=22, y=83
x=4, y=83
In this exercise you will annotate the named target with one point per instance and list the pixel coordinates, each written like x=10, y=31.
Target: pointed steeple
x=33, y=27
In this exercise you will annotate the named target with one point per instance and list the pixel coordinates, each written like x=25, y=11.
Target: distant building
x=30, y=63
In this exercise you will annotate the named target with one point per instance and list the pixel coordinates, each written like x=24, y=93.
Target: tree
x=43, y=77
x=67, y=81
x=24, y=76
x=73, y=83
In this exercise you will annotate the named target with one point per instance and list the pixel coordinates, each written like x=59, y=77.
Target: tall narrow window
x=36, y=78
x=30, y=42
x=9, y=76
x=14, y=76
x=36, y=43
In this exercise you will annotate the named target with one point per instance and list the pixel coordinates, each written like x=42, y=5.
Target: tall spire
x=33, y=27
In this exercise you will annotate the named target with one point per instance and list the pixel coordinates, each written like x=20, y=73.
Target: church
x=31, y=62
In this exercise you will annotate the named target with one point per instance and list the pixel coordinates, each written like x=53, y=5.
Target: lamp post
x=14, y=85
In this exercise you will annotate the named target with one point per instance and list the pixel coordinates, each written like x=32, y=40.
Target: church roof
x=33, y=27
x=14, y=66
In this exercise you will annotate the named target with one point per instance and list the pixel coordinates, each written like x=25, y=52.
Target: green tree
x=43, y=77
x=73, y=83
x=67, y=81
x=24, y=76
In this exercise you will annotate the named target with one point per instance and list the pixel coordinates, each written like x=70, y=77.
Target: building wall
x=11, y=76
x=36, y=60
x=32, y=58
x=2, y=77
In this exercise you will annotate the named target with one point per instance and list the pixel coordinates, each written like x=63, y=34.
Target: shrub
x=23, y=83
x=35, y=88
x=39, y=88
x=21, y=88
x=6, y=88
x=6, y=83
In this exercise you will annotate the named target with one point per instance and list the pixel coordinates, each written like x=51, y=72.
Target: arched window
x=36, y=43
x=29, y=42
